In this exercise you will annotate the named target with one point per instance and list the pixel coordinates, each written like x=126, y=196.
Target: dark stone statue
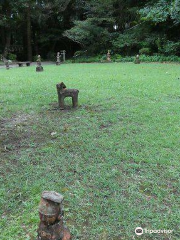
x=7, y=64
x=109, y=56
x=63, y=92
x=39, y=68
x=51, y=225
x=137, y=60
x=58, y=62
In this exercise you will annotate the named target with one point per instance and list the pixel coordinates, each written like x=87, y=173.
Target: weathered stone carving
x=63, y=92
x=51, y=225
x=7, y=64
x=39, y=68
x=63, y=52
x=137, y=60
x=58, y=62
x=109, y=56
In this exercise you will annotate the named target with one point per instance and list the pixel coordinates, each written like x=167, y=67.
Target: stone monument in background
x=39, y=68
x=58, y=61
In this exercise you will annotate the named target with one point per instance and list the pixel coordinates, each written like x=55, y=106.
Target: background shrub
x=145, y=51
x=51, y=56
x=12, y=56
x=119, y=58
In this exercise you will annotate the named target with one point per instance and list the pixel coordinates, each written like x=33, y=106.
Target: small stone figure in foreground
x=51, y=225
x=109, y=56
x=63, y=93
x=137, y=60
x=58, y=62
x=39, y=68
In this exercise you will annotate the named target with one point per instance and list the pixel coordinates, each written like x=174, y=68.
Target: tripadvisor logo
x=138, y=231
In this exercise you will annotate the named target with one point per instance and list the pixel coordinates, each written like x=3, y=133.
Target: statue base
x=39, y=69
x=56, y=232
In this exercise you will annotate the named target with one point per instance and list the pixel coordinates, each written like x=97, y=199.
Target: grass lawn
x=115, y=159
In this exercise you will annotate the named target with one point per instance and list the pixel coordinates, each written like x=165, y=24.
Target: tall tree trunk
x=8, y=42
x=36, y=48
x=29, y=46
x=3, y=36
x=7, y=30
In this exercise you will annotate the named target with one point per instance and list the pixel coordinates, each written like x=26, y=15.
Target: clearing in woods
x=115, y=159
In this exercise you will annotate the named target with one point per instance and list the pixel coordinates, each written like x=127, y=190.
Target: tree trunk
x=29, y=46
x=36, y=49
x=8, y=42
x=3, y=36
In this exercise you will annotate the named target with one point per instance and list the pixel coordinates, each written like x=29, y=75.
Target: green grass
x=115, y=159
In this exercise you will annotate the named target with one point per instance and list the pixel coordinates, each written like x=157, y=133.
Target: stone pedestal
x=39, y=69
x=51, y=225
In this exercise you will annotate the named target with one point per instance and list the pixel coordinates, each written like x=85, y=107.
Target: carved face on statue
x=61, y=86
x=51, y=226
x=50, y=207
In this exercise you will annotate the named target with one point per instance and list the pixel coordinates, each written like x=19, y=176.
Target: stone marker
x=51, y=225
x=63, y=52
x=109, y=56
x=63, y=92
x=137, y=60
x=39, y=68
x=58, y=62
x=7, y=64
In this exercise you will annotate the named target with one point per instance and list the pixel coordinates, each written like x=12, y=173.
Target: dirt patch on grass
x=16, y=132
x=16, y=119
x=25, y=131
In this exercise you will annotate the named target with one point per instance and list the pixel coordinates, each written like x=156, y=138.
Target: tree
x=44, y=27
x=7, y=22
x=31, y=15
x=163, y=15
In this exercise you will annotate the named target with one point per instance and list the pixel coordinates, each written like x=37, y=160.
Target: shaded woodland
x=31, y=27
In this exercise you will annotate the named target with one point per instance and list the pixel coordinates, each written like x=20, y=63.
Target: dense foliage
x=31, y=27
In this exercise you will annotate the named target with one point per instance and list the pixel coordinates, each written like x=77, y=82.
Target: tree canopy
x=31, y=27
